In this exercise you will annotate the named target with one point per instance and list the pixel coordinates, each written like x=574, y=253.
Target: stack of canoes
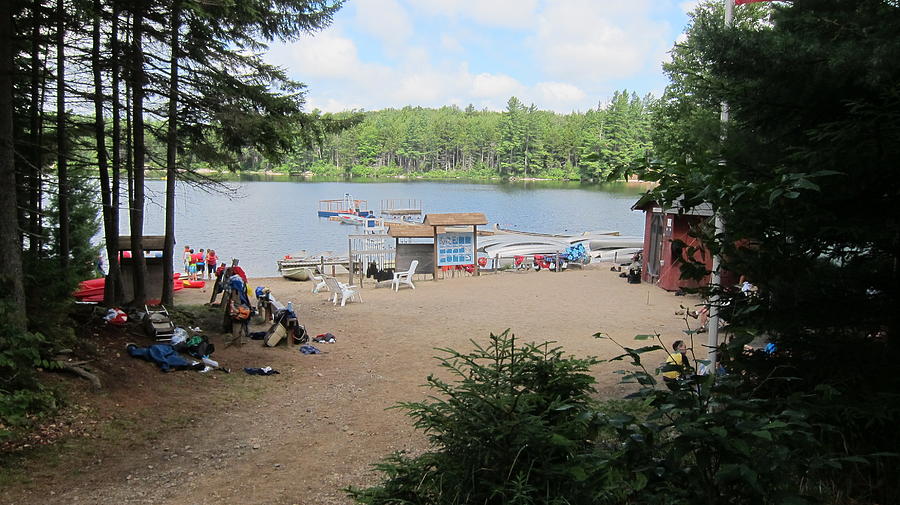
x=92, y=290
x=508, y=244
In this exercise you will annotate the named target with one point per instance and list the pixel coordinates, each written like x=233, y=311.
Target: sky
x=560, y=55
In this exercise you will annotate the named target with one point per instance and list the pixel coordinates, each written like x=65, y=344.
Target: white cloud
x=504, y=13
x=558, y=92
x=494, y=86
x=330, y=105
x=424, y=88
x=561, y=55
x=326, y=55
x=497, y=13
x=450, y=43
x=586, y=41
x=689, y=6
x=385, y=19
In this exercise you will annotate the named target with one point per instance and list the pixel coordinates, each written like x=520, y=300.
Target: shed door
x=656, y=238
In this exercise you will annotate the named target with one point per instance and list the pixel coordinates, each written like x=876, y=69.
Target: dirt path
x=302, y=436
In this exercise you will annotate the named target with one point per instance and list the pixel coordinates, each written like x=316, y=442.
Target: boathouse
x=667, y=239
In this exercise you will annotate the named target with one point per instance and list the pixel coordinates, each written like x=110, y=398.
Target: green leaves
x=515, y=426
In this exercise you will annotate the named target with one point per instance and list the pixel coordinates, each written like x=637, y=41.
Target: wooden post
x=475, y=248
x=350, y=262
x=436, y=268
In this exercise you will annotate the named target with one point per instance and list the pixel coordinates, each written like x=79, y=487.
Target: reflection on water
x=260, y=218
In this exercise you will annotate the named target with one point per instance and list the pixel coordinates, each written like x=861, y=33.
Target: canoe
x=296, y=273
x=193, y=284
x=92, y=290
x=618, y=242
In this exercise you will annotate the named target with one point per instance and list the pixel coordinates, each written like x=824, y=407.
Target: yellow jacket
x=679, y=360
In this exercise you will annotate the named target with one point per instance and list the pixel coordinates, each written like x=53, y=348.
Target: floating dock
x=402, y=207
x=346, y=205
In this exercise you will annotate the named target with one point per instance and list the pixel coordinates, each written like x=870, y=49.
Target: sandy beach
x=303, y=435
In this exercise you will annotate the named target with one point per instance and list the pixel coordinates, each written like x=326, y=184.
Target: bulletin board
x=456, y=249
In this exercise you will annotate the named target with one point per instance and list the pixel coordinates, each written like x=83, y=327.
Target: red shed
x=661, y=262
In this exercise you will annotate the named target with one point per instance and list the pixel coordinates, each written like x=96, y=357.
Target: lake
x=259, y=219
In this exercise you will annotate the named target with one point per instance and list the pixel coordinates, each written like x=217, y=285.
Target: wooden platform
x=401, y=207
x=402, y=212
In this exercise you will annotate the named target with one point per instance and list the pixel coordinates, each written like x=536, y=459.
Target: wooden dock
x=401, y=207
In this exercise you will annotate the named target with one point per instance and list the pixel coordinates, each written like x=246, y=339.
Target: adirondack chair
x=344, y=291
x=317, y=278
x=405, y=277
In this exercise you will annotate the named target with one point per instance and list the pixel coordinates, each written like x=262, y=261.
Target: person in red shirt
x=201, y=264
x=211, y=260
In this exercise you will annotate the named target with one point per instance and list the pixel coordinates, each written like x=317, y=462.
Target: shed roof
x=647, y=204
x=412, y=231
x=456, y=219
x=150, y=242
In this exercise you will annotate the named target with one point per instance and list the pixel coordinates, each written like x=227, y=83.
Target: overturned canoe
x=296, y=273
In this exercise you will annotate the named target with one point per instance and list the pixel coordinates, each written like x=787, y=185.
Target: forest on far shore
x=520, y=141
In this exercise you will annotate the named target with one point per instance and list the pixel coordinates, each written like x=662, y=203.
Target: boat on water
x=344, y=206
x=352, y=219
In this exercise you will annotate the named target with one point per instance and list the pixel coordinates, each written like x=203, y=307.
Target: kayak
x=92, y=290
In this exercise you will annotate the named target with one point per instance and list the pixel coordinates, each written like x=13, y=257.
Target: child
x=677, y=364
x=192, y=266
x=201, y=263
x=186, y=257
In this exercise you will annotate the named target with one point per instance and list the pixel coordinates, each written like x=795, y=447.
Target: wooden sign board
x=422, y=252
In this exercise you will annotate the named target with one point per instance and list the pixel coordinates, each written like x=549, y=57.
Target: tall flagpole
x=715, y=280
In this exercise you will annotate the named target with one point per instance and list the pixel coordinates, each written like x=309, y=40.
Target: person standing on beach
x=201, y=263
x=211, y=261
x=192, y=265
x=186, y=256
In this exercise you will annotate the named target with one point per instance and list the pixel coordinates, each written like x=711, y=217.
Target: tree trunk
x=171, y=151
x=114, y=278
x=34, y=180
x=62, y=167
x=11, y=267
x=137, y=126
x=110, y=234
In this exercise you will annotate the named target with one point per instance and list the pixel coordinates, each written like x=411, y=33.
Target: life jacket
x=240, y=312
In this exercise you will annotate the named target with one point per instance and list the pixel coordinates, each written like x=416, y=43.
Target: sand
x=303, y=435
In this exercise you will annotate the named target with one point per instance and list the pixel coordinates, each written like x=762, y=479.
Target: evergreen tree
x=805, y=182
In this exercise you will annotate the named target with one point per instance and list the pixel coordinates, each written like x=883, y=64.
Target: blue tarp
x=162, y=354
x=575, y=252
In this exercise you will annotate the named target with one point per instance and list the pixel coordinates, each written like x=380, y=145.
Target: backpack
x=301, y=336
x=240, y=312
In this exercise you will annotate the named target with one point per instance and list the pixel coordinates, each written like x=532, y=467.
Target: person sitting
x=678, y=366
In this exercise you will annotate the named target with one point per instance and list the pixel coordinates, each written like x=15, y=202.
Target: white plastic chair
x=317, y=278
x=345, y=291
x=405, y=277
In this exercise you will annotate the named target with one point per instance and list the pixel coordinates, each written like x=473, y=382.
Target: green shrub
x=22, y=397
x=515, y=427
x=389, y=171
x=323, y=168
x=362, y=171
x=519, y=425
